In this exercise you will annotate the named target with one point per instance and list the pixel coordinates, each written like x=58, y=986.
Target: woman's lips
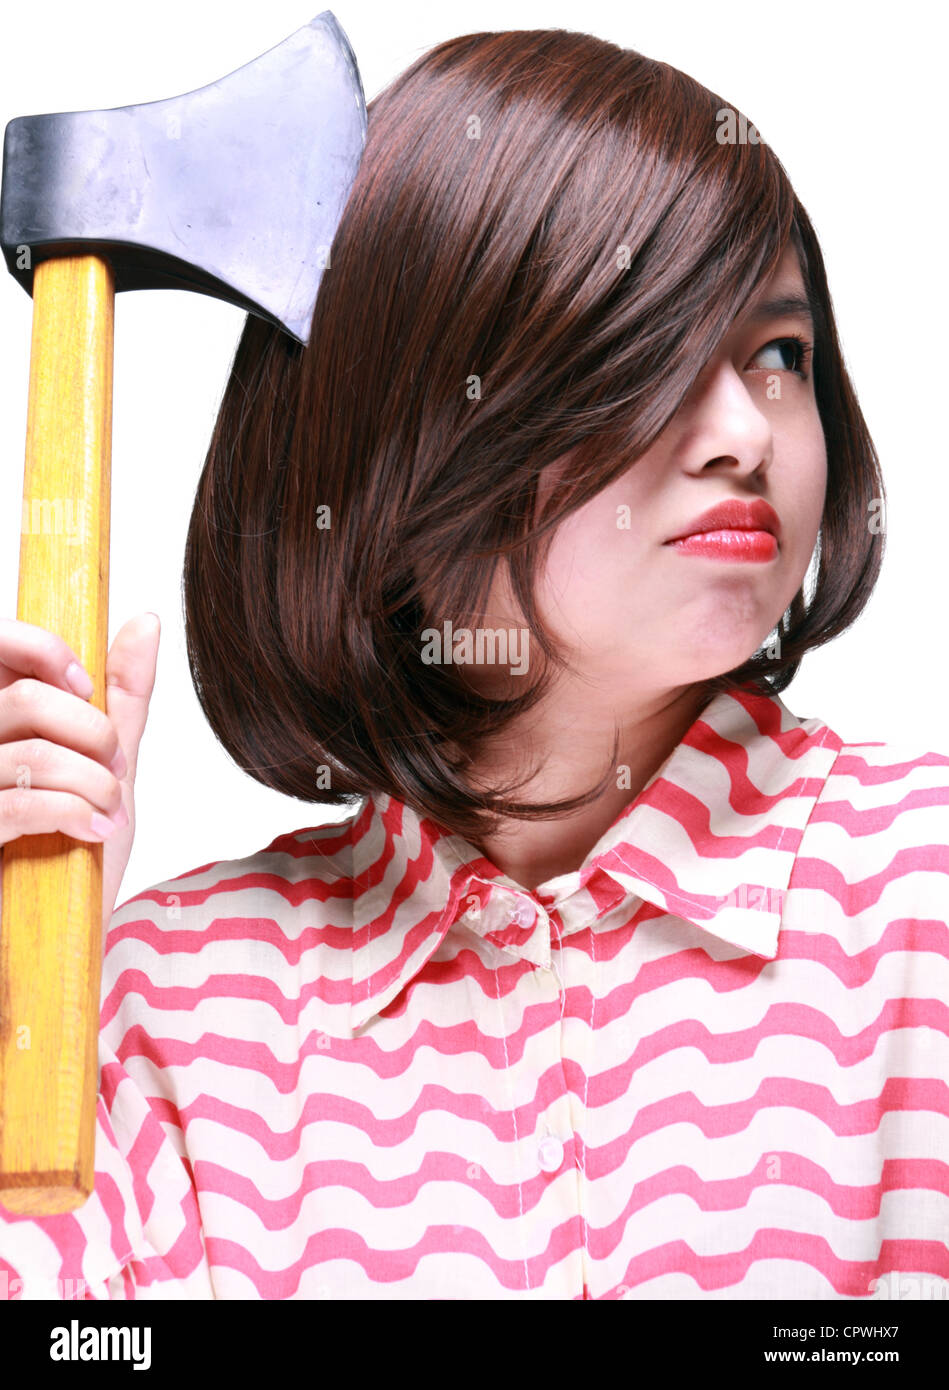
x=729, y=545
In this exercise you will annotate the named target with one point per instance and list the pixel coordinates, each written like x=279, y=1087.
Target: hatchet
x=233, y=190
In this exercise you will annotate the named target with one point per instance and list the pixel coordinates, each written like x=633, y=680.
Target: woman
x=614, y=980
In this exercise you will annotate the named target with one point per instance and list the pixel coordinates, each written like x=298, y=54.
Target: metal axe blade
x=233, y=190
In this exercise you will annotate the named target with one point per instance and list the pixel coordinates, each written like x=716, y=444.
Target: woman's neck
x=570, y=741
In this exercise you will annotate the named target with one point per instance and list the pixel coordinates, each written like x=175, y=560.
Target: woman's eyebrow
x=783, y=306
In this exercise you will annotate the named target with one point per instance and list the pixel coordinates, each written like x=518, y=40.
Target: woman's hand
x=64, y=765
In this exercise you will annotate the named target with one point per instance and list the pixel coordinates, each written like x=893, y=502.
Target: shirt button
x=523, y=915
x=550, y=1153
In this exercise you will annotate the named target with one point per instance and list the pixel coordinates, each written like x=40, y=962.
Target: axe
x=235, y=191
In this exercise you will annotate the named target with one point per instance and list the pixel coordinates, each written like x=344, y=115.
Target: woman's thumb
x=129, y=680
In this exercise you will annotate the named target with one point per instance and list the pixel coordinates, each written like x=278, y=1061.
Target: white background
x=849, y=97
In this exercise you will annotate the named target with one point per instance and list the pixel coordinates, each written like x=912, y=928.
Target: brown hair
x=502, y=178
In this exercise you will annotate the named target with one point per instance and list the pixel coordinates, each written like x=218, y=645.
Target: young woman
x=618, y=979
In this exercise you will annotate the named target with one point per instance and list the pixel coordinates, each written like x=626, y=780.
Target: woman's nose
x=727, y=423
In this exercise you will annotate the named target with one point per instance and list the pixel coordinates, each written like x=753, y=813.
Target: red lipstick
x=732, y=530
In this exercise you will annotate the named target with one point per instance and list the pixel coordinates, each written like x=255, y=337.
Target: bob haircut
x=556, y=218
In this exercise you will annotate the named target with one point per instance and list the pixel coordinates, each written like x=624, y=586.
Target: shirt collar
x=711, y=839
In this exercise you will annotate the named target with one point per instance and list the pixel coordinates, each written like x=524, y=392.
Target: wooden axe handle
x=51, y=917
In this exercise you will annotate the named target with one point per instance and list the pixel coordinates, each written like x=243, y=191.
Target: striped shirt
x=710, y=1063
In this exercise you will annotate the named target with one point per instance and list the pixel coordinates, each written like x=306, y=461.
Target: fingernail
x=118, y=765
x=102, y=825
x=79, y=679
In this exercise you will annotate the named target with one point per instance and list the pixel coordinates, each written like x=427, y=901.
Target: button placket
x=543, y=1168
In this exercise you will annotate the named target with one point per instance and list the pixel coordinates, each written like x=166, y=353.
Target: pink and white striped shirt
x=710, y=1063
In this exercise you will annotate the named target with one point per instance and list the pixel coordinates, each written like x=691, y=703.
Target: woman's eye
x=787, y=355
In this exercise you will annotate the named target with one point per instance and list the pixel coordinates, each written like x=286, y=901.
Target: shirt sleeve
x=138, y=1235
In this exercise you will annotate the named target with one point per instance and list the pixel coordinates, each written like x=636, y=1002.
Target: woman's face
x=639, y=614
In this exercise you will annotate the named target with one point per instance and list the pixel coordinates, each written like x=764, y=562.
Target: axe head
x=234, y=190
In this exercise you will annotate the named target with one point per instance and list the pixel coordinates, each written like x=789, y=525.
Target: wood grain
x=51, y=903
